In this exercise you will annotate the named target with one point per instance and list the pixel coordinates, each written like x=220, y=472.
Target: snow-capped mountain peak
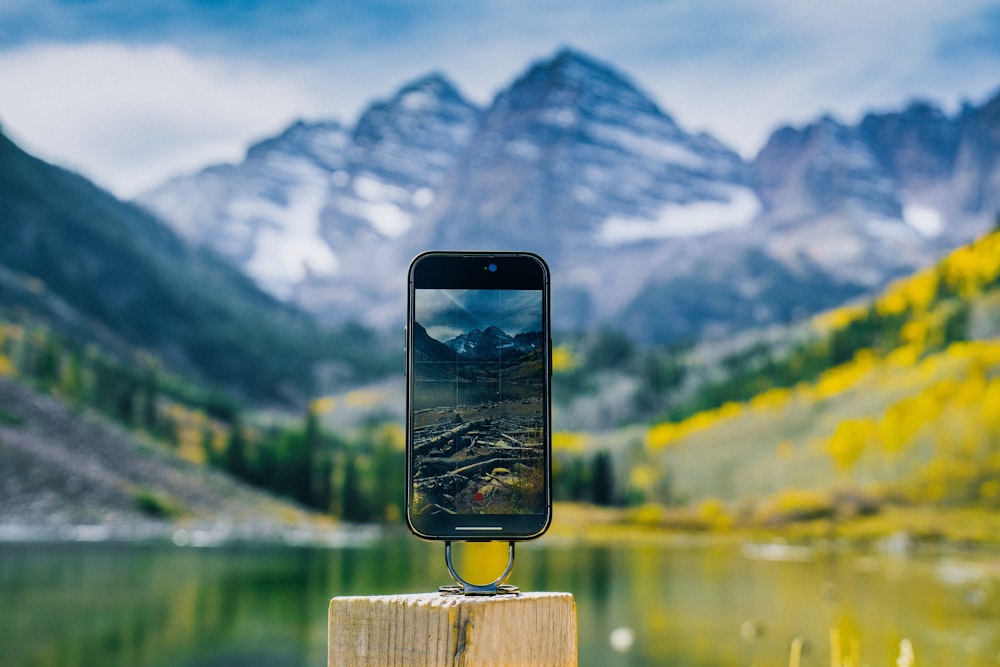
x=286, y=213
x=493, y=344
x=577, y=139
x=647, y=227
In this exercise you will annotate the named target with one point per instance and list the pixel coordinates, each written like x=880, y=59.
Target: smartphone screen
x=478, y=396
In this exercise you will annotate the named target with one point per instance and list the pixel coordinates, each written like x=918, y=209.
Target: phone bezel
x=468, y=270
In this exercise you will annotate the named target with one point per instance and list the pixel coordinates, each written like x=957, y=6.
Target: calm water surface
x=158, y=604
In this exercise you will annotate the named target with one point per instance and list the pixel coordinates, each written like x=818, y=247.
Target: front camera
x=492, y=268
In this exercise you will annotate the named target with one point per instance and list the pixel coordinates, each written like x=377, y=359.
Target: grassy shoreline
x=903, y=528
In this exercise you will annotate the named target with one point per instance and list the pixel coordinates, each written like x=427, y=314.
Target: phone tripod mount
x=463, y=587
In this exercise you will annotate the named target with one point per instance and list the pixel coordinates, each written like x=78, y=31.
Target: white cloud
x=790, y=61
x=128, y=116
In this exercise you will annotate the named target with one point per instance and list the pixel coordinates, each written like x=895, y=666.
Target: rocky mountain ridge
x=648, y=228
x=493, y=344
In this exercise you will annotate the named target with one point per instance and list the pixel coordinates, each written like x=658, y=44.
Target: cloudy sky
x=132, y=91
x=446, y=313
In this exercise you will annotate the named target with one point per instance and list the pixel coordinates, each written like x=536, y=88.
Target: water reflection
x=158, y=604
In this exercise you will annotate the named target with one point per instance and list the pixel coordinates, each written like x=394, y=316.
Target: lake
x=117, y=604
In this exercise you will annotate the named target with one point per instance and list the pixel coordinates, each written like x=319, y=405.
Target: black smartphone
x=478, y=396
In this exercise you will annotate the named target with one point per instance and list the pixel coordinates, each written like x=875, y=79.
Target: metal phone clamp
x=463, y=587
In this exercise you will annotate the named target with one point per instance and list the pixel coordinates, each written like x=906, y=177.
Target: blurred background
x=774, y=233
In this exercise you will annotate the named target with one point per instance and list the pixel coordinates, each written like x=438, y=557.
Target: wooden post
x=453, y=630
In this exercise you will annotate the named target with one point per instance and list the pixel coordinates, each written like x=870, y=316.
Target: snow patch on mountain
x=736, y=209
x=523, y=149
x=639, y=143
x=289, y=248
x=926, y=220
x=382, y=204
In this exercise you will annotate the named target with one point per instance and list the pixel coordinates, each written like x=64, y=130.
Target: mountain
x=106, y=272
x=490, y=345
x=648, y=228
x=309, y=214
x=577, y=140
x=427, y=348
x=884, y=197
x=494, y=344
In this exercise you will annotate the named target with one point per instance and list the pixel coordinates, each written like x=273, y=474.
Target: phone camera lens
x=492, y=268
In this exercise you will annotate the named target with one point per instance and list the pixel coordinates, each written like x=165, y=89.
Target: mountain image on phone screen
x=478, y=395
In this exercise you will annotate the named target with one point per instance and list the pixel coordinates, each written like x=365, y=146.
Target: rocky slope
x=62, y=470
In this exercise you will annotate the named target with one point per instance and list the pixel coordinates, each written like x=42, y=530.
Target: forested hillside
x=106, y=273
x=289, y=455
x=894, y=401
x=105, y=309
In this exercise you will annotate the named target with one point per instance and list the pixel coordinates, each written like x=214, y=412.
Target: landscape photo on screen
x=478, y=401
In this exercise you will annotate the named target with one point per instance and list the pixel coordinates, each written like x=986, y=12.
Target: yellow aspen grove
x=850, y=440
x=969, y=268
x=903, y=420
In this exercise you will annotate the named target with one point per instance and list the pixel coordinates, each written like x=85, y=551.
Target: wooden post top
x=453, y=630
